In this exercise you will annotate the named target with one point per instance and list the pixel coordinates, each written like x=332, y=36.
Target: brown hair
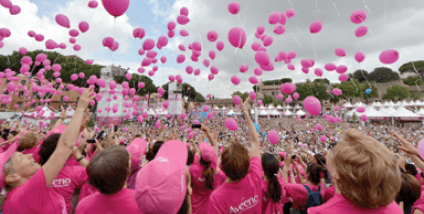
x=271, y=166
x=190, y=156
x=410, y=191
x=314, y=172
x=235, y=161
x=369, y=175
x=8, y=169
x=208, y=173
x=109, y=169
x=28, y=141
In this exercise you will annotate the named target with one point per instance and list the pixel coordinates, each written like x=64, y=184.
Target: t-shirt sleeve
x=33, y=191
x=81, y=177
x=256, y=167
x=81, y=207
x=214, y=207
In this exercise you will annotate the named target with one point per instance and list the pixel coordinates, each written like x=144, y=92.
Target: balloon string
x=335, y=7
x=315, y=50
x=245, y=12
x=369, y=11
x=354, y=84
x=365, y=78
x=295, y=38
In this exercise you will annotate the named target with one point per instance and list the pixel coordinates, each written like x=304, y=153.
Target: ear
x=12, y=178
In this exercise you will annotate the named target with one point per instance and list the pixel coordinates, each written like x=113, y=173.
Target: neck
x=229, y=180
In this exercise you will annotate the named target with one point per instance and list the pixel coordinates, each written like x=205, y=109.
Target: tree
x=396, y=92
x=277, y=82
x=382, y=75
x=413, y=81
x=315, y=89
x=413, y=67
x=267, y=100
x=360, y=75
x=148, y=88
x=323, y=80
x=243, y=96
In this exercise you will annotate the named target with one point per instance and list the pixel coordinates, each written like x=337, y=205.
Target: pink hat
x=161, y=184
x=283, y=154
x=137, y=149
x=208, y=152
x=4, y=157
x=58, y=130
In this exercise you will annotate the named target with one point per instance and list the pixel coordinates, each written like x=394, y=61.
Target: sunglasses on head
x=332, y=145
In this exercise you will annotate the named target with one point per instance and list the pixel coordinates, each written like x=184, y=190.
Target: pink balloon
x=189, y=69
x=212, y=54
x=237, y=37
x=74, y=77
x=389, y=56
x=253, y=80
x=212, y=36
x=323, y=138
x=148, y=44
x=306, y=63
x=128, y=76
x=343, y=77
x=235, y=80
x=268, y=41
x=287, y=88
x=163, y=41
x=23, y=51
x=257, y=71
x=210, y=77
x=260, y=30
x=171, y=25
x=305, y=70
x=139, y=32
x=116, y=7
x=273, y=137
x=279, y=29
x=252, y=95
x=15, y=10
x=341, y=69
x=290, y=67
x=312, y=105
x=360, y=109
x=318, y=72
x=290, y=13
x=171, y=78
x=359, y=57
x=56, y=67
x=315, y=27
x=234, y=8
x=140, y=85
x=184, y=11
x=77, y=47
x=231, y=124
x=243, y=68
x=50, y=44
x=39, y=37
x=330, y=67
x=291, y=55
x=220, y=45
x=72, y=40
x=180, y=58
x=296, y=95
x=184, y=33
x=89, y=61
x=171, y=33
x=280, y=96
x=83, y=26
x=318, y=127
x=31, y=33
x=274, y=18
x=262, y=58
x=63, y=20
x=93, y=4
x=196, y=72
x=6, y=3
x=337, y=91
x=340, y=52
x=165, y=104
x=183, y=20
x=151, y=54
x=214, y=70
x=361, y=31
x=364, y=117
x=358, y=16
x=237, y=99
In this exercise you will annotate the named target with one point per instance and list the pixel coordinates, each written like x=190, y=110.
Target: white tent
x=279, y=107
x=387, y=112
x=271, y=107
x=300, y=113
x=288, y=113
x=230, y=113
x=151, y=112
x=376, y=105
x=404, y=114
x=252, y=111
x=298, y=106
x=263, y=113
x=224, y=109
x=373, y=114
x=275, y=113
x=419, y=103
x=348, y=105
x=358, y=104
x=420, y=112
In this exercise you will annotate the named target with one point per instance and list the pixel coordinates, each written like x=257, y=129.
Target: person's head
x=164, y=184
x=109, y=169
x=281, y=156
x=13, y=134
x=48, y=147
x=271, y=166
x=364, y=170
x=319, y=159
x=235, y=161
x=207, y=157
x=28, y=140
x=409, y=192
x=313, y=172
x=153, y=150
x=5, y=135
x=411, y=169
x=137, y=149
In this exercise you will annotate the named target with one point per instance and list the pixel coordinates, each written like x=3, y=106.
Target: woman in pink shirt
x=242, y=190
x=409, y=192
x=366, y=176
x=273, y=193
x=27, y=183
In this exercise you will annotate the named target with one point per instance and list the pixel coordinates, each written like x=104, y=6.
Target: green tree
x=277, y=82
x=396, y=92
x=267, y=100
x=413, y=67
x=413, y=81
x=243, y=96
x=323, y=80
x=148, y=88
x=382, y=75
x=360, y=75
x=415, y=95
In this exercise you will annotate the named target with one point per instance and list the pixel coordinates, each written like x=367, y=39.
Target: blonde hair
x=369, y=175
x=28, y=140
x=8, y=169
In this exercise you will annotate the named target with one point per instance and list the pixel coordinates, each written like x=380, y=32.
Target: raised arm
x=256, y=146
x=61, y=118
x=212, y=140
x=67, y=140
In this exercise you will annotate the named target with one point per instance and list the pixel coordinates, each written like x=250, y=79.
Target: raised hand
x=85, y=99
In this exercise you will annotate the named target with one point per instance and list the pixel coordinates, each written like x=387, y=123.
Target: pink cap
x=161, y=185
x=4, y=157
x=58, y=130
x=137, y=149
x=208, y=152
x=282, y=154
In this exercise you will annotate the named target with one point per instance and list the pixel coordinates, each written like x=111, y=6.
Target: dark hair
x=190, y=157
x=235, y=161
x=151, y=154
x=320, y=159
x=4, y=135
x=14, y=133
x=109, y=169
x=270, y=166
x=409, y=192
x=411, y=169
x=208, y=173
x=48, y=147
x=314, y=172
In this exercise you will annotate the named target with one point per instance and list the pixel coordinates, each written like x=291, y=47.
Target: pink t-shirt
x=69, y=179
x=87, y=190
x=200, y=195
x=132, y=178
x=419, y=204
x=329, y=193
x=339, y=204
x=34, y=197
x=120, y=202
x=299, y=194
x=268, y=205
x=241, y=197
x=34, y=151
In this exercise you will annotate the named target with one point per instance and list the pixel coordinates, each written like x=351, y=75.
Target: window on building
x=19, y=105
x=61, y=98
x=3, y=106
x=21, y=94
x=273, y=93
x=6, y=92
x=32, y=105
x=23, y=82
x=7, y=81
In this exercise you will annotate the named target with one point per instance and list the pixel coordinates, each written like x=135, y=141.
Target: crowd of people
x=191, y=166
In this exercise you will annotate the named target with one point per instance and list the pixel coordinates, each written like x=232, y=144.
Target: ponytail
x=314, y=171
x=274, y=188
x=208, y=173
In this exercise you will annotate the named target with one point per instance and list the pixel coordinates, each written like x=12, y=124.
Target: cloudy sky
x=393, y=24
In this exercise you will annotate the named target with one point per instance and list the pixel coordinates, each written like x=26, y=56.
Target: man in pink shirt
x=108, y=172
x=242, y=191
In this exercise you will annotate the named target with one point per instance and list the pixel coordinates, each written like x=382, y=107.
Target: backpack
x=314, y=198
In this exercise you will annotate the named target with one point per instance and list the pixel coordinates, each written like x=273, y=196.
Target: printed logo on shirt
x=63, y=182
x=162, y=159
x=201, y=180
x=245, y=205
